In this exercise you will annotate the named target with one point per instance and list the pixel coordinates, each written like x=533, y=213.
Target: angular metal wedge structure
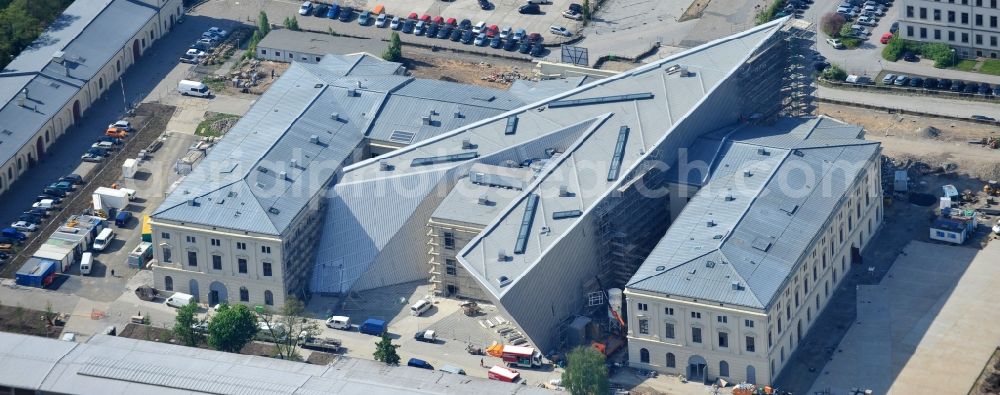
x=590, y=205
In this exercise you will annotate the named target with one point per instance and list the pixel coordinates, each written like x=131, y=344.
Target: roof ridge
x=741, y=277
x=161, y=209
x=666, y=269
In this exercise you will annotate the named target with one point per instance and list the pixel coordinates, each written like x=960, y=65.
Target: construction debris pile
x=505, y=77
x=247, y=75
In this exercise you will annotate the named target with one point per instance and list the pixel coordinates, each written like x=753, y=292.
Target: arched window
x=244, y=294
x=168, y=283
x=643, y=355
x=268, y=298
x=100, y=83
x=118, y=65
x=724, y=369
x=671, y=360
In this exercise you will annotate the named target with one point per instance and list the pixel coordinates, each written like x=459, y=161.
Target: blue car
x=333, y=11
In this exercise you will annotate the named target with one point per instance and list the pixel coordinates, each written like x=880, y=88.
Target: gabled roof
x=742, y=235
x=574, y=136
x=248, y=182
x=88, y=33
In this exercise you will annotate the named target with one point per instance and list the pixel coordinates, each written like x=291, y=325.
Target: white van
x=86, y=263
x=103, y=239
x=179, y=300
x=339, y=322
x=193, y=88
x=420, y=307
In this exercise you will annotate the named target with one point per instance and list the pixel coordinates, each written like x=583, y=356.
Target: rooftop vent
x=283, y=175
x=729, y=197
x=798, y=153
x=748, y=173
x=711, y=223
x=709, y=264
x=383, y=165
x=352, y=92
x=294, y=163
x=335, y=116
x=426, y=119
x=566, y=214
x=318, y=86
x=661, y=268
x=684, y=72
x=314, y=139
x=467, y=144
x=763, y=152
x=717, y=237
x=762, y=244
x=503, y=281
x=484, y=200
x=262, y=169
x=673, y=69
x=458, y=114
x=274, y=211
x=737, y=286
x=502, y=255
x=789, y=208
x=692, y=271
x=193, y=202
x=231, y=194
x=563, y=191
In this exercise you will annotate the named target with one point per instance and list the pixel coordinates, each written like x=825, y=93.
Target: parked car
x=525, y=47
x=72, y=177
x=944, y=84
x=219, y=31
x=480, y=40
x=576, y=7
x=427, y=336
x=207, y=42
x=408, y=26
x=485, y=5
x=64, y=185
x=860, y=31
x=559, y=30
x=985, y=90
x=467, y=37
x=381, y=20
x=572, y=15
x=910, y=57
x=529, y=9
x=535, y=38
x=419, y=363
x=506, y=32
x=346, y=13
x=901, y=80
x=492, y=31
x=431, y=31
x=456, y=35
x=420, y=28
x=537, y=50
x=885, y=38
x=466, y=24
x=41, y=212
x=894, y=27
x=24, y=226
x=510, y=45
x=496, y=42
x=365, y=18
x=444, y=32
x=54, y=192
x=835, y=43
x=306, y=8
x=55, y=199
x=519, y=34
x=333, y=11
x=916, y=82
x=888, y=79
x=89, y=157
x=985, y=118
x=320, y=10
x=478, y=27
x=425, y=18
x=867, y=21
x=957, y=86
x=971, y=87
x=14, y=234
x=930, y=83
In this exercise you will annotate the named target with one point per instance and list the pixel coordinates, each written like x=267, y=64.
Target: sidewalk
x=925, y=68
x=925, y=104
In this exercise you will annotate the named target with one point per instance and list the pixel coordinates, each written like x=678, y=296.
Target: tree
x=263, y=26
x=585, y=372
x=894, y=49
x=231, y=328
x=184, y=325
x=385, y=351
x=291, y=23
x=831, y=23
x=394, y=52
x=586, y=10
x=939, y=52
x=286, y=327
x=834, y=73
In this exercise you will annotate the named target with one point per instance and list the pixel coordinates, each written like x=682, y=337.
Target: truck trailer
x=525, y=357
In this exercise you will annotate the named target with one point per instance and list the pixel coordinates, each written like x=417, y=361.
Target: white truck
x=107, y=198
x=193, y=88
x=129, y=168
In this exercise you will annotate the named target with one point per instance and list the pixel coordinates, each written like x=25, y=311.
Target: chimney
x=335, y=116
x=563, y=191
x=426, y=119
x=314, y=139
x=294, y=163
x=484, y=200
x=467, y=144
x=383, y=165
x=458, y=114
x=283, y=175
x=502, y=255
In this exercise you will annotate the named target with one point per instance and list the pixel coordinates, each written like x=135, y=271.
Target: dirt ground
x=26, y=321
x=933, y=141
x=989, y=380
x=480, y=74
x=165, y=335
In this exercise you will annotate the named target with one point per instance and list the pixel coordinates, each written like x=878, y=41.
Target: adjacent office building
x=780, y=216
x=52, y=83
x=971, y=27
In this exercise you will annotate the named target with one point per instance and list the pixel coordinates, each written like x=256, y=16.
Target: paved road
x=930, y=105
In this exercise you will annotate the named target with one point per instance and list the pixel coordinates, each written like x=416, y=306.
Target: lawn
x=990, y=67
x=215, y=124
x=215, y=84
x=966, y=65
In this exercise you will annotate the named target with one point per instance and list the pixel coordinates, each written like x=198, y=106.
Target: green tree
x=394, y=52
x=894, y=49
x=939, y=52
x=291, y=23
x=831, y=23
x=585, y=372
x=385, y=351
x=834, y=73
x=287, y=326
x=183, y=325
x=263, y=25
x=586, y=10
x=231, y=328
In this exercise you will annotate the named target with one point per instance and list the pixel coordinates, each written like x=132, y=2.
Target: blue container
x=37, y=273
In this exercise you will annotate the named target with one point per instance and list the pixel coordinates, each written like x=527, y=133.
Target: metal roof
x=320, y=44
x=757, y=214
x=116, y=365
x=89, y=33
x=248, y=182
x=573, y=146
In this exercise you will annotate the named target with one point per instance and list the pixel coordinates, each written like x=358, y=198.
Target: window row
x=241, y=263
x=217, y=242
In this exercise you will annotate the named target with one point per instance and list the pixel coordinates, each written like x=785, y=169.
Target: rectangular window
x=909, y=33
x=965, y=37
x=642, y=307
x=909, y=11
x=241, y=264
x=951, y=16
x=451, y=267
x=951, y=37
x=267, y=269
x=979, y=19
x=277, y=53
x=993, y=3
x=265, y=249
x=979, y=3
x=449, y=241
x=993, y=41
x=668, y=310
x=190, y=239
x=937, y=14
x=721, y=319
x=241, y=245
x=748, y=323
x=216, y=242
x=723, y=339
x=643, y=327
x=937, y=36
x=263, y=52
x=696, y=315
x=668, y=331
x=965, y=18
x=923, y=34
x=979, y=39
x=216, y=262
x=993, y=21
x=750, y=345
x=165, y=236
x=923, y=13
x=166, y=254
x=192, y=258
x=696, y=335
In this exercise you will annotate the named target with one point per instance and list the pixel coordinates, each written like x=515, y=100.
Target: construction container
x=36, y=272
x=147, y=229
x=129, y=168
x=141, y=254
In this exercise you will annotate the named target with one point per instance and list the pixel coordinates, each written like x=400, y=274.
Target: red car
x=438, y=20
x=451, y=21
x=426, y=18
x=492, y=31
x=534, y=38
x=413, y=15
x=886, y=37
